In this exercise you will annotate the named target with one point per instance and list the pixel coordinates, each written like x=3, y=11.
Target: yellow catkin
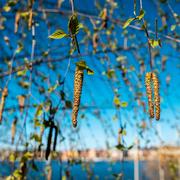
x=21, y=100
x=156, y=95
x=30, y=19
x=149, y=94
x=16, y=22
x=78, y=82
x=3, y=98
x=95, y=41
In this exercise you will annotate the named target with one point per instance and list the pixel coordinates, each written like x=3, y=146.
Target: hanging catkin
x=16, y=22
x=13, y=130
x=3, y=98
x=149, y=94
x=78, y=81
x=156, y=95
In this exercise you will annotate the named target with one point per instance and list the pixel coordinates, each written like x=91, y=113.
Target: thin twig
x=72, y=6
x=115, y=21
x=148, y=38
x=156, y=28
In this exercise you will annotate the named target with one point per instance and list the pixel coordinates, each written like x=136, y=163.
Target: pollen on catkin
x=149, y=94
x=78, y=82
x=156, y=95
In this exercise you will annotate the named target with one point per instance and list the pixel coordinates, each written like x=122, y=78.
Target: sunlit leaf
x=39, y=110
x=141, y=14
x=28, y=155
x=83, y=66
x=6, y=8
x=12, y=157
x=24, y=84
x=22, y=73
x=110, y=73
x=35, y=137
x=117, y=102
x=173, y=27
x=89, y=71
x=124, y=104
x=127, y=23
x=58, y=34
x=154, y=43
x=51, y=89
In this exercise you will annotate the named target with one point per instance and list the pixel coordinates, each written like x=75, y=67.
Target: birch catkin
x=149, y=94
x=156, y=95
x=13, y=130
x=78, y=82
x=3, y=98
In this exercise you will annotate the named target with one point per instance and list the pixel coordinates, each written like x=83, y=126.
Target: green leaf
x=118, y=176
x=35, y=137
x=173, y=27
x=36, y=122
x=28, y=155
x=126, y=24
x=117, y=102
x=141, y=14
x=6, y=8
x=130, y=147
x=123, y=148
x=90, y=71
x=9, y=4
x=82, y=65
x=120, y=147
x=58, y=34
x=123, y=132
x=63, y=177
x=22, y=73
x=154, y=43
x=12, y=157
x=24, y=84
x=20, y=47
x=73, y=24
x=124, y=104
x=17, y=174
x=51, y=89
x=110, y=73
x=39, y=110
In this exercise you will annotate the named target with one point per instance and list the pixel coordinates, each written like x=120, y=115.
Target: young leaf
x=117, y=102
x=58, y=34
x=39, y=110
x=90, y=71
x=22, y=73
x=173, y=27
x=35, y=137
x=130, y=147
x=126, y=24
x=120, y=147
x=141, y=14
x=51, y=89
x=154, y=43
x=124, y=104
x=82, y=65
x=73, y=24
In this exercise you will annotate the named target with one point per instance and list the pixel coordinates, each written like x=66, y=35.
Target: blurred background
x=114, y=138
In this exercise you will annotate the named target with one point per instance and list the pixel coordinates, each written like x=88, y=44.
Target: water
x=98, y=170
